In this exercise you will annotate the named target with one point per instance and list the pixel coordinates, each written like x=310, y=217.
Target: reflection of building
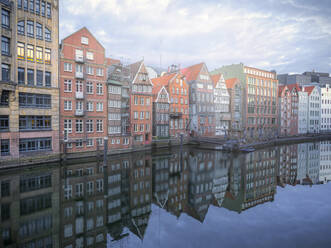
x=30, y=208
x=287, y=165
x=325, y=162
x=313, y=161
x=302, y=162
x=221, y=177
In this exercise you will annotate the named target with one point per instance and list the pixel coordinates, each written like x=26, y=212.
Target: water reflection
x=87, y=204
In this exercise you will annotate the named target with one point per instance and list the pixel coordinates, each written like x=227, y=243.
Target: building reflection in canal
x=86, y=204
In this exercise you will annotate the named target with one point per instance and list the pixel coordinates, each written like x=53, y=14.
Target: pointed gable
x=231, y=82
x=137, y=69
x=216, y=78
x=192, y=73
x=162, y=96
x=309, y=89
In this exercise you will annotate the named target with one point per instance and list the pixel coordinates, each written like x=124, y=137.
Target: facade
x=285, y=79
x=161, y=104
x=325, y=162
x=29, y=92
x=260, y=99
x=325, y=109
x=83, y=92
x=302, y=162
x=178, y=90
x=313, y=164
x=287, y=170
x=141, y=104
x=222, y=105
x=235, y=91
x=201, y=93
x=302, y=112
x=314, y=108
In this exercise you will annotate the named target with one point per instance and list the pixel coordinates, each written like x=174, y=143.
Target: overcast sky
x=286, y=35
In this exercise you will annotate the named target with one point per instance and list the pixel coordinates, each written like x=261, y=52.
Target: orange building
x=83, y=92
x=178, y=90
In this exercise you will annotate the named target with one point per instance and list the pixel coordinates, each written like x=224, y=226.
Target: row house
x=161, y=104
x=83, y=92
x=201, y=93
x=302, y=112
x=287, y=170
x=221, y=105
x=178, y=90
x=314, y=108
x=141, y=105
x=325, y=108
x=325, y=162
x=29, y=103
x=260, y=99
x=235, y=92
x=288, y=110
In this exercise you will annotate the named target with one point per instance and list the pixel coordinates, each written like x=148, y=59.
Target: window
x=99, y=141
x=21, y=75
x=89, y=106
x=89, y=70
x=89, y=55
x=30, y=77
x=67, y=105
x=35, y=122
x=141, y=101
x=99, y=89
x=48, y=79
x=4, y=99
x=40, y=77
x=33, y=182
x=30, y=51
x=47, y=55
x=34, y=100
x=89, y=87
x=19, y=4
x=99, y=126
x=5, y=69
x=79, y=126
x=5, y=48
x=39, y=54
x=79, y=86
x=126, y=141
x=39, y=31
x=89, y=143
x=67, y=85
x=84, y=40
x=35, y=204
x=43, y=8
x=99, y=106
x=48, y=36
x=5, y=151
x=89, y=126
x=68, y=67
x=35, y=144
x=5, y=18
x=5, y=211
x=38, y=7
x=142, y=115
x=68, y=126
x=49, y=10
x=135, y=114
x=67, y=230
x=31, y=5
x=20, y=50
x=147, y=115
x=5, y=188
x=99, y=72
x=26, y=4
x=30, y=28
x=142, y=127
x=21, y=28
x=79, y=143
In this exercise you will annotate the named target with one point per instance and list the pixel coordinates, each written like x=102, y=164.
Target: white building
x=303, y=112
x=326, y=108
x=302, y=161
x=314, y=108
x=313, y=161
x=325, y=162
x=222, y=105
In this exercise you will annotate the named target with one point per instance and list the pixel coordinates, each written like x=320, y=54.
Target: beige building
x=29, y=108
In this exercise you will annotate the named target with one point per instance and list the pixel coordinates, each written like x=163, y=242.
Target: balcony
x=176, y=115
x=79, y=75
x=79, y=95
x=79, y=59
x=79, y=112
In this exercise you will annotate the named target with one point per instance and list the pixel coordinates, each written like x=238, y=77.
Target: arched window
x=48, y=34
x=21, y=27
x=30, y=28
x=39, y=31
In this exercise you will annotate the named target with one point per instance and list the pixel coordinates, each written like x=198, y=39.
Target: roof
x=111, y=61
x=293, y=86
x=134, y=68
x=281, y=88
x=215, y=78
x=164, y=80
x=191, y=73
x=308, y=89
x=230, y=83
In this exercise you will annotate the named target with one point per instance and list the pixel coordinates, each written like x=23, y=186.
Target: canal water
x=182, y=197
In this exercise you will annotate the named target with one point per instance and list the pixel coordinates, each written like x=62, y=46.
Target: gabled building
x=302, y=111
x=201, y=93
x=235, y=91
x=326, y=108
x=141, y=104
x=222, y=105
x=83, y=92
x=314, y=108
x=161, y=104
x=178, y=90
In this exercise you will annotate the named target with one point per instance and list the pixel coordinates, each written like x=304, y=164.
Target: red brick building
x=178, y=90
x=83, y=92
x=141, y=105
x=201, y=93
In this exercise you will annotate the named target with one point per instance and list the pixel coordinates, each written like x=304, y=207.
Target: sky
x=290, y=36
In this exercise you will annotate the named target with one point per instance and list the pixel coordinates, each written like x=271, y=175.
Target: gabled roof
x=231, y=82
x=216, y=78
x=281, y=88
x=191, y=73
x=164, y=80
x=293, y=86
x=308, y=89
x=134, y=68
x=157, y=97
x=111, y=61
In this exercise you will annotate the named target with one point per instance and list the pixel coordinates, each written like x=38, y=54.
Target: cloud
x=288, y=35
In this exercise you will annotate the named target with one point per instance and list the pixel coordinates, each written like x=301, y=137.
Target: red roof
x=280, y=89
x=159, y=82
x=215, y=78
x=231, y=82
x=111, y=61
x=293, y=86
x=191, y=73
x=308, y=89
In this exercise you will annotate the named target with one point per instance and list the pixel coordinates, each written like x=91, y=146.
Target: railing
x=79, y=75
x=79, y=112
x=79, y=95
x=79, y=59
